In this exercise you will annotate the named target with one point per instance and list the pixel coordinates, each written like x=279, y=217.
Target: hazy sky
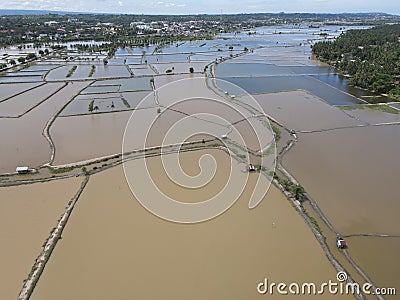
x=206, y=6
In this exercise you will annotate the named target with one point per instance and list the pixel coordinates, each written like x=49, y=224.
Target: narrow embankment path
x=324, y=219
x=70, y=91
x=40, y=263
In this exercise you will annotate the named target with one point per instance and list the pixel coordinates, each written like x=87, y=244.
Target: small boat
x=341, y=243
x=251, y=168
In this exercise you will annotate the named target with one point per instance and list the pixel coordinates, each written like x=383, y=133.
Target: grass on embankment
x=61, y=170
x=381, y=107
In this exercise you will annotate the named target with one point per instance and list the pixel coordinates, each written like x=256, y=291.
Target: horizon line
x=49, y=11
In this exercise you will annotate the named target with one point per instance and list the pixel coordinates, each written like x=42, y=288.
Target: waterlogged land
x=344, y=154
x=118, y=244
x=27, y=215
x=26, y=144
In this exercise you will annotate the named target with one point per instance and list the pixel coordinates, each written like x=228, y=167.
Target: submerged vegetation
x=91, y=106
x=92, y=70
x=71, y=71
x=369, y=57
x=126, y=103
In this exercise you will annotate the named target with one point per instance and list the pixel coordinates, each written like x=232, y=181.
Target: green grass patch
x=260, y=167
x=315, y=224
x=277, y=132
x=381, y=107
x=384, y=108
x=351, y=107
x=61, y=170
x=216, y=145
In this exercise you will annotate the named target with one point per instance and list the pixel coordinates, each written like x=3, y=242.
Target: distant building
x=50, y=23
x=134, y=24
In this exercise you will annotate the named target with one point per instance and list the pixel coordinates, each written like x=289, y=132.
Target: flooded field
x=25, y=143
x=179, y=68
x=166, y=58
x=9, y=90
x=27, y=215
x=141, y=71
x=275, y=84
x=105, y=237
x=351, y=173
x=20, y=104
x=108, y=102
x=102, y=105
x=159, y=81
x=99, y=135
x=373, y=114
x=139, y=100
x=125, y=85
x=262, y=69
x=40, y=67
x=120, y=249
x=20, y=79
x=378, y=256
x=303, y=111
x=82, y=72
x=98, y=89
x=102, y=133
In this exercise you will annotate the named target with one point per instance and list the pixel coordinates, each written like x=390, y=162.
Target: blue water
x=273, y=84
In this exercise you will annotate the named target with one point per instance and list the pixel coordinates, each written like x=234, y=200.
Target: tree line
x=370, y=57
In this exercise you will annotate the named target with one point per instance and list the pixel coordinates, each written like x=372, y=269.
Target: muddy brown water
x=180, y=68
x=113, y=248
x=352, y=174
x=24, y=143
x=374, y=115
x=9, y=90
x=80, y=138
x=27, y=215
x=301, y=110
x=379, y=257
x=82, y=72
x=337, y=253
x=21, y=103
x=102, y=134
